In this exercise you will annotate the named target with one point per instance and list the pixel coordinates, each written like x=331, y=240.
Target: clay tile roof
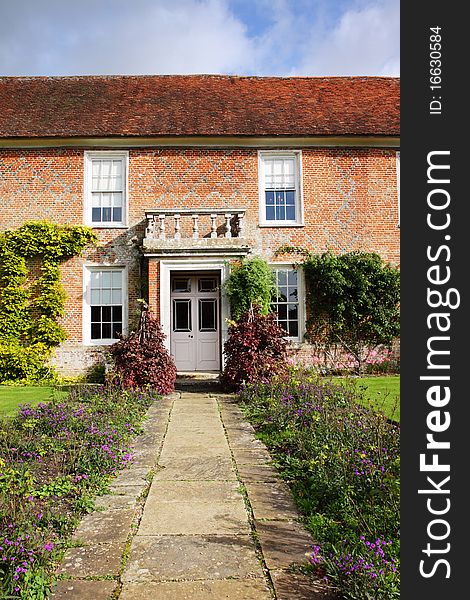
x=198, y=105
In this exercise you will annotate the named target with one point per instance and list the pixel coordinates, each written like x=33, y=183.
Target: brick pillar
x=154, y=286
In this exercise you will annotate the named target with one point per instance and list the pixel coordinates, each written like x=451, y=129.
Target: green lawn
x=12, y=396
x=382, y=393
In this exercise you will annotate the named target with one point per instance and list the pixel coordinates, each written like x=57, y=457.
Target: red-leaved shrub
x=255, y=350
x=141, y=359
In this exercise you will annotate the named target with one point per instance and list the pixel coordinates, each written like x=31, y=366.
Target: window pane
x=270, y=213
x=117, y=199
x=293, y=316
x=293, y=329
x=106, y=297
x=207, y=315
x=207, y=285
x=116, y=279
x=106, y=313
x=106, y=215
x=282, y=311
x=269, y=198
x=181, y=315
x=290, y=213
x=96, y=314
x=282, y=294
x=117, y=215
x=96, y=215
x=117, y=328
x=181, y=285
x=106, y=200
x=282, y=278
x=117, y=313
x=116, y=297
x=106, y=278
x=95, y=297
x=291, y=276
x=280, y=213
x=290, y=197
x=96, y=331
x=106, y=331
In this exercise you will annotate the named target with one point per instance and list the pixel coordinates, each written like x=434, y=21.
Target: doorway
x=195, y=320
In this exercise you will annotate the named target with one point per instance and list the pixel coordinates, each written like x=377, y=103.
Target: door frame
x=167, y=267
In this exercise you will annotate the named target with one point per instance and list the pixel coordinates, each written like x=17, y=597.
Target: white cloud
x=365, y=41
x=122, y=37
x=286, y=37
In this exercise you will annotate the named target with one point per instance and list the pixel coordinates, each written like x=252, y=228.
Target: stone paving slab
x=121, y=497
x=258, y=473
x=230, y=589
x=194, y=491
x=283, y=543
x=271, y=501
x=239, y=426
x=131, y=476
x=293, y=586
x=190, y=518
x=183, y=439
x=169, y=558
x=107, y=526
x=251, y=456
x=84, y=590
x=93, y=560
x=246, y=442
x=202, y=451
x=192, y=468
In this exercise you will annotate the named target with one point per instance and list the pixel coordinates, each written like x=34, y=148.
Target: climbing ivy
x=352, y=302
x=251, y=281
x=29, y=310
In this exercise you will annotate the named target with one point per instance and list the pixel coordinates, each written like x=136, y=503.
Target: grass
x=381, y=392
x=11, y=396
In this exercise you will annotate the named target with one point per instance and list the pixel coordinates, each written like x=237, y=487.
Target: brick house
x=180, y=175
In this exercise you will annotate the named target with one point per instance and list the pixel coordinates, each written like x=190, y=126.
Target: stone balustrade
x=171, y=229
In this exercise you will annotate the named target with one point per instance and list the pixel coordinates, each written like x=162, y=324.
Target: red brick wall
x=350, y=203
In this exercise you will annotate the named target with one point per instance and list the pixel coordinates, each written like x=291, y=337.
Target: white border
x=299, y=201
x=87, y=203
x=86, y=312
x=167, y=266
x=301, y=291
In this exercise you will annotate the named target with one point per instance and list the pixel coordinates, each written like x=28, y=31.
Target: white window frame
x=301, y=298
x=263, y=155
x=90, y=156
x=397, y=160
x=88, y=269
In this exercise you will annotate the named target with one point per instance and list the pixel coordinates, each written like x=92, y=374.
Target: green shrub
x=19, y=362
x=250, y=282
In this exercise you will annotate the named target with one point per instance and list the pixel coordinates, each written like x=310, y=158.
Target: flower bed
x=342, y=463
x=54, y=459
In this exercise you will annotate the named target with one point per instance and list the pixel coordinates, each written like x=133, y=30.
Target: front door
x=195, y=339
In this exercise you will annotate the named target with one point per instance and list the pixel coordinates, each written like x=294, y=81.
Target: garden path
x=215, y=523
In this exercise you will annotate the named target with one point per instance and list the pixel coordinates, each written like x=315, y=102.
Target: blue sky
x=243, y=37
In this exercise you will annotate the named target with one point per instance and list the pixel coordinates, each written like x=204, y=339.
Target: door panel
x=195, y=319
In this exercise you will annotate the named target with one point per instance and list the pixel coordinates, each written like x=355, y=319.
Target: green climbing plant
x=251, y=281
x=352, y=302
x=29, y=309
